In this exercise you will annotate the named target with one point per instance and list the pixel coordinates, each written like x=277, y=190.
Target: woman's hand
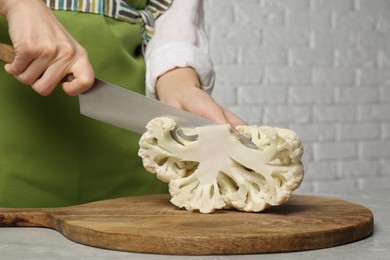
x=180, y=88
x=45, y=52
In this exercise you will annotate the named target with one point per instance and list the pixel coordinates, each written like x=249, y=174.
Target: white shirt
x=179, y=40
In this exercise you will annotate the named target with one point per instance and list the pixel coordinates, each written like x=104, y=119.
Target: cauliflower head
x=216, y=171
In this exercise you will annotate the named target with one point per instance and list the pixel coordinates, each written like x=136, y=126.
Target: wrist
x=175, y=82
x=7, y=5
x=4, y=7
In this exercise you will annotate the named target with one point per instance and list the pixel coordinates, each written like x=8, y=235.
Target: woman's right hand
x=181, y=88
x=45, y=52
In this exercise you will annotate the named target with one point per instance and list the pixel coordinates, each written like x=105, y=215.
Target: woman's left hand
x=181, y=88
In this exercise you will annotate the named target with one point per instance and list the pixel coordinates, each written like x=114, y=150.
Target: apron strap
x=118, y=9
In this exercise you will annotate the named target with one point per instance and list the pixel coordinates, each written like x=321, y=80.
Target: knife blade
x=127, y=109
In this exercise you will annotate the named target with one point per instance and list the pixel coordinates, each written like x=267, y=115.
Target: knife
x=132, y=111
x=129, y=110
x=122, y=107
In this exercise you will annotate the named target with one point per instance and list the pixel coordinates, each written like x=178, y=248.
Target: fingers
x=21, y=62
x=214, y=112
x=44, y=70
x=83, y=78
x=222, y=115
x=29, y=66
x=233, y=119
x=204, y=105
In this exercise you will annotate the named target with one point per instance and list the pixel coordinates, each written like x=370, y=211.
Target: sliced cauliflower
x=216, y=171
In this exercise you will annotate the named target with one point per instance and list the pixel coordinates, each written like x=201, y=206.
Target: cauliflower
x=216, y=171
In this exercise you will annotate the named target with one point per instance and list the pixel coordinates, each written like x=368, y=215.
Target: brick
x=384, y=58
x=250, y=114
x=364, y=58
x=218, y=13
x=310, y=57
x=383, y=22
x=288, y=4
x=334, y=76
x=318, y=19
x=374, y=112
x=377, y=183
x=334, y=38
x=372, y=39
x=225, y=95
x=224, y=53
x=360, y=21
x=286, y=114
x=333, y=5
x=305, y=187
x=342, y=185
x=348, y=95
x=339, y=113
x=286, y=37
x=356, y=168
x=262, y=95
x=385, y=130
x=335, y=151
x=314, y=132
x=287, y=75
x=235, y=33
x=283, y=125
x=255, y=15
x=374, y=76
x=258, y=55
x=307, y=152
x=374, y=6
x=320, y=171
x=234, y=74
x=358, y=131
x=375, y=149
x=385, y=167
x=311, y=95
x=225, y=2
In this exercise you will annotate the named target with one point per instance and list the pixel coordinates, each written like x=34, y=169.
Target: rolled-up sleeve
x=179, y=40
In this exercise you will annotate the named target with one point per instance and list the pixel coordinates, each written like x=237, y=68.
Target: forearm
x=8, y=5
x=5, y=6
x=175, y=82
x=179, y=40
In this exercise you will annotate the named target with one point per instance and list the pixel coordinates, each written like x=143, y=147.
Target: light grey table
x=39, y=243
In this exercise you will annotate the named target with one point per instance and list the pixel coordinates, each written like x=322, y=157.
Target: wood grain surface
x=150, y=224
x=7, y=53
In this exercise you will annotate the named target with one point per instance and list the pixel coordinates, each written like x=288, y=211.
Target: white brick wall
x=319, y=67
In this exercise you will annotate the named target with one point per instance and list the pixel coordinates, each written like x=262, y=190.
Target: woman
x=50, y=155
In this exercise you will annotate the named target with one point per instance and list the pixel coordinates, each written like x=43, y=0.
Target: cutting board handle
x=26, y=218
x=7, y=53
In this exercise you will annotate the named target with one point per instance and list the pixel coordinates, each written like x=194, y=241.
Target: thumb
x=81, y=80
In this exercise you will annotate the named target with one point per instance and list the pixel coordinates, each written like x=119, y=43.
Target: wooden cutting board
x=150, y=224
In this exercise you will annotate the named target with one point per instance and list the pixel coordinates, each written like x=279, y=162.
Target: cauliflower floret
x=216, y=171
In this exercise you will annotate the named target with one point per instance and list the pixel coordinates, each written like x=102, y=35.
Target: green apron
x=52, y=156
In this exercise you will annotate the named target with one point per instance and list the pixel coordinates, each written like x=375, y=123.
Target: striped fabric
x=118, y=9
